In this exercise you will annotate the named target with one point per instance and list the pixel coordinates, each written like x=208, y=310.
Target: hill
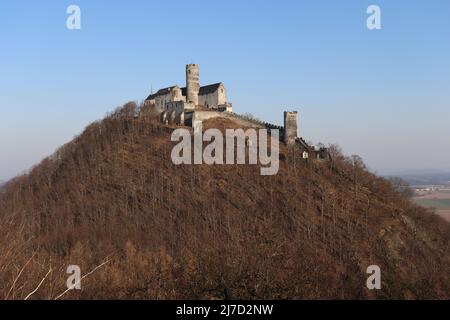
x=112, y=202
x=425, y=177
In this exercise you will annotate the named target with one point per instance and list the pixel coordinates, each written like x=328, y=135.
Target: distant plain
x=438, y=200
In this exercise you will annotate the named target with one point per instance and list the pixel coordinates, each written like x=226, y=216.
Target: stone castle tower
x=192, y=83
x=290, y=127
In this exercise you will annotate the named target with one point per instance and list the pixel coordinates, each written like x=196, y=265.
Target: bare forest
x=112, y=202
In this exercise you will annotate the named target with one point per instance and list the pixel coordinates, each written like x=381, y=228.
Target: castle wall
x=160, y=101
x=222, y=95
x=176, y=112
x=209, y=100
x=206, y=115
x=174, y=95
x=178, y=106
x=215, y=99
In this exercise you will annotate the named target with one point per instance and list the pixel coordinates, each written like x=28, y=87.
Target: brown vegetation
x=172, y=232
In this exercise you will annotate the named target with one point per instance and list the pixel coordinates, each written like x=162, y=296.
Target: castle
x=190, y=105
x=212, y=96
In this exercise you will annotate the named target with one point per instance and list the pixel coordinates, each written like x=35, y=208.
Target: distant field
x=441, y=204
x=437, y=194
x=439, y=200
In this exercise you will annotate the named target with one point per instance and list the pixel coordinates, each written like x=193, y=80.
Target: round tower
x=192, y=83
x=290, y=127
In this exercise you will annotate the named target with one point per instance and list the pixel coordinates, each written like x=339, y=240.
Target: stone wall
x=241, y=120
x=174, y=95
x=214, y=99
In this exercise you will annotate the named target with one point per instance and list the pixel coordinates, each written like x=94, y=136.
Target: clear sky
x=383, y=94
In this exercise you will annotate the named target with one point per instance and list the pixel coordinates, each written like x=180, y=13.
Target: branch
x=18, y=276
x=39, y=285
x=77, y=282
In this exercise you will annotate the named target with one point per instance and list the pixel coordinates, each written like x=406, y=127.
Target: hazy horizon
x=382, y=94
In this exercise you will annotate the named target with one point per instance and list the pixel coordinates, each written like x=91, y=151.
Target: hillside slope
x=171, y=232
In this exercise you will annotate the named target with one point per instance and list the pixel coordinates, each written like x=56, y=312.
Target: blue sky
x=383, y=94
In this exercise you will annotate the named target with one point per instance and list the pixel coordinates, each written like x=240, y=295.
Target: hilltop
x=210, y=232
